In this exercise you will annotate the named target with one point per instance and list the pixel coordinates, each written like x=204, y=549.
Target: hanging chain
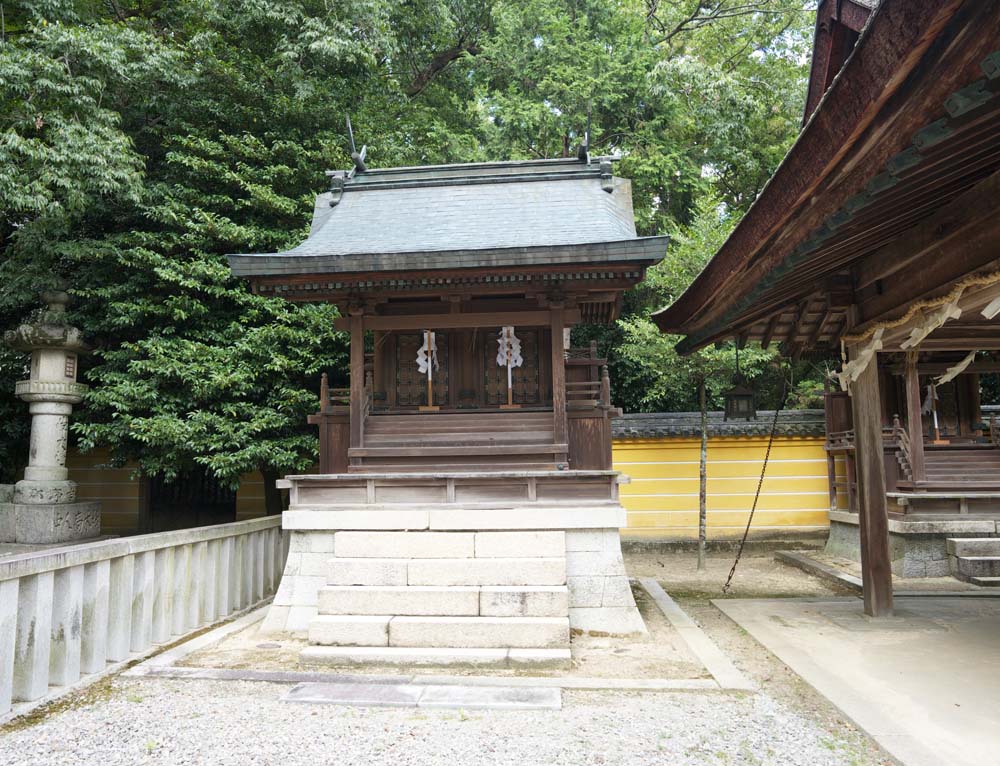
x=760, y=483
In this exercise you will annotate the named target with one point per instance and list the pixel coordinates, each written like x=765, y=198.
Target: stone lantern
x=44, y=507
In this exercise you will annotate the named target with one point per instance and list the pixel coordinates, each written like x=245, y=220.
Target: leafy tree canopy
x=140, y=141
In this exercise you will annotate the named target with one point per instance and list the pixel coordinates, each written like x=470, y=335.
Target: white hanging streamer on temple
x=852, y=370
x=427, y=354
x=508, y=351
x=957, y=369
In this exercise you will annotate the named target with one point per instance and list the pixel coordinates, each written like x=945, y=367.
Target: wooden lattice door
x=525, y=378
x=411, y=384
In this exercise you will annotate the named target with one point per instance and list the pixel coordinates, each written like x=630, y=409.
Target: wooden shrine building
x=468, y=407
x=877, y=242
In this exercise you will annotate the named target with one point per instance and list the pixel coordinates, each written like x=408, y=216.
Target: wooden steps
x=437, y=466
x=457, y=441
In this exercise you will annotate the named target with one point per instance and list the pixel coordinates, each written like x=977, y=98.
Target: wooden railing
x=899, y=438
x=994, y=431
x=68, y=612
x=593, y=393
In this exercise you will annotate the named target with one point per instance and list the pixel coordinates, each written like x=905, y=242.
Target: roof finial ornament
x=356, y=156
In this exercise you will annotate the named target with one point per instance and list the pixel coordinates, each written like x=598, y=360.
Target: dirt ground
x=758, y=575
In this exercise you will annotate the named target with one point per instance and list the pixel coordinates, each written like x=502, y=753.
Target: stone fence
x=68, y=612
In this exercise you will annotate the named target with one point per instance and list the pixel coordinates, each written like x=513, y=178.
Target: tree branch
x=438, y=64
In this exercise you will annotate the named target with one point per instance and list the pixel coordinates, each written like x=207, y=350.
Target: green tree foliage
x=142, y=141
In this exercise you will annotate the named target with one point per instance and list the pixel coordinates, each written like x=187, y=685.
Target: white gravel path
x=218, y=723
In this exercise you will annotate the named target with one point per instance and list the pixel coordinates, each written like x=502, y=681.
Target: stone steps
x=986, y=582
x=453, y=601
x=417, y=656
x=443, y=593
x=975, y=559
x=429, y=631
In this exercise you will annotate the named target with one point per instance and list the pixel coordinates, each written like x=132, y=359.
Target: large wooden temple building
x=466, y=501
x=877, y=244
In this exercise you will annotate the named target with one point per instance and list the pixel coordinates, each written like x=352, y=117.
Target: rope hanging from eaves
x=937, y=311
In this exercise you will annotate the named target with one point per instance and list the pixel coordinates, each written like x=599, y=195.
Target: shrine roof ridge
x=459, y=174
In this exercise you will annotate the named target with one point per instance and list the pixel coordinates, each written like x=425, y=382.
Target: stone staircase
x=443, y=598
x=975, y=559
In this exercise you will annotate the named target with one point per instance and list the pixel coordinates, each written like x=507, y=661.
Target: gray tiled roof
x=656, y=424
x=420, y=218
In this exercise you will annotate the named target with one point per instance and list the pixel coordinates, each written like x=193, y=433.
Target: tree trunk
x=273, y=504
x=702, y=478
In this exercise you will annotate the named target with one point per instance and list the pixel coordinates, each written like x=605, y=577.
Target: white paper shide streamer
x=509, y=351
x=427, y=355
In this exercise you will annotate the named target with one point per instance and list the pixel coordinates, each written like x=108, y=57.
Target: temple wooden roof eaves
x=454, y=217
x=858, y=175
x=639, y=250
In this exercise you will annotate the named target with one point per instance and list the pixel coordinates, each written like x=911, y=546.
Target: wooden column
x=913, y=421
x=560, y=429
x=357, y=377
x=876, y=572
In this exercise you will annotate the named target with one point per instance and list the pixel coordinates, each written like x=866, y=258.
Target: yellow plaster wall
x=116, y=489
x=662, y=498
x=120, y=494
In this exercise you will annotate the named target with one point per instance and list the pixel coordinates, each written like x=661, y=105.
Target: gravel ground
x=168, y=722
x=241, y=723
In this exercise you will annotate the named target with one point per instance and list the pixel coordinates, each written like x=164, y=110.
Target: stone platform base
x=43, y=524
x=917, y=545
x=600, y=598
x=398, y=519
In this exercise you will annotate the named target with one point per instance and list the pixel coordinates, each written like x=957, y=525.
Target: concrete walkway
x=925, y=684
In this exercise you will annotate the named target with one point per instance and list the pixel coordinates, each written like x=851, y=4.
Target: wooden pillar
x=357, y=377
x=876, y=572
x=913, y=421
x=559, y=426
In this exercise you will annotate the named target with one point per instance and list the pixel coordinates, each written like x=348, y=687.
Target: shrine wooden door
x=411, y=384
x=525, y=379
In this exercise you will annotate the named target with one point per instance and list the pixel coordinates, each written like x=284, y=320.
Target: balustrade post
x=34, y=637
x=268, y=554
x=94, y=638
x=181, y=589
x=142, y=601
x=223, y=601
x=67, y=619
x=209, y=573
x=246, y=573
x=259, y=556
x=236, y=574
x=196, y=595
x=163, y=595
x=120, y=608
x=8, y=637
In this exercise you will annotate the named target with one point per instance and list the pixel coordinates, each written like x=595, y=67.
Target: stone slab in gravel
x=362, y=695
x=491, y=698
x=411, y=695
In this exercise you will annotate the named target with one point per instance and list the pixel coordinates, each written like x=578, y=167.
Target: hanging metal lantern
x=740, y=401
